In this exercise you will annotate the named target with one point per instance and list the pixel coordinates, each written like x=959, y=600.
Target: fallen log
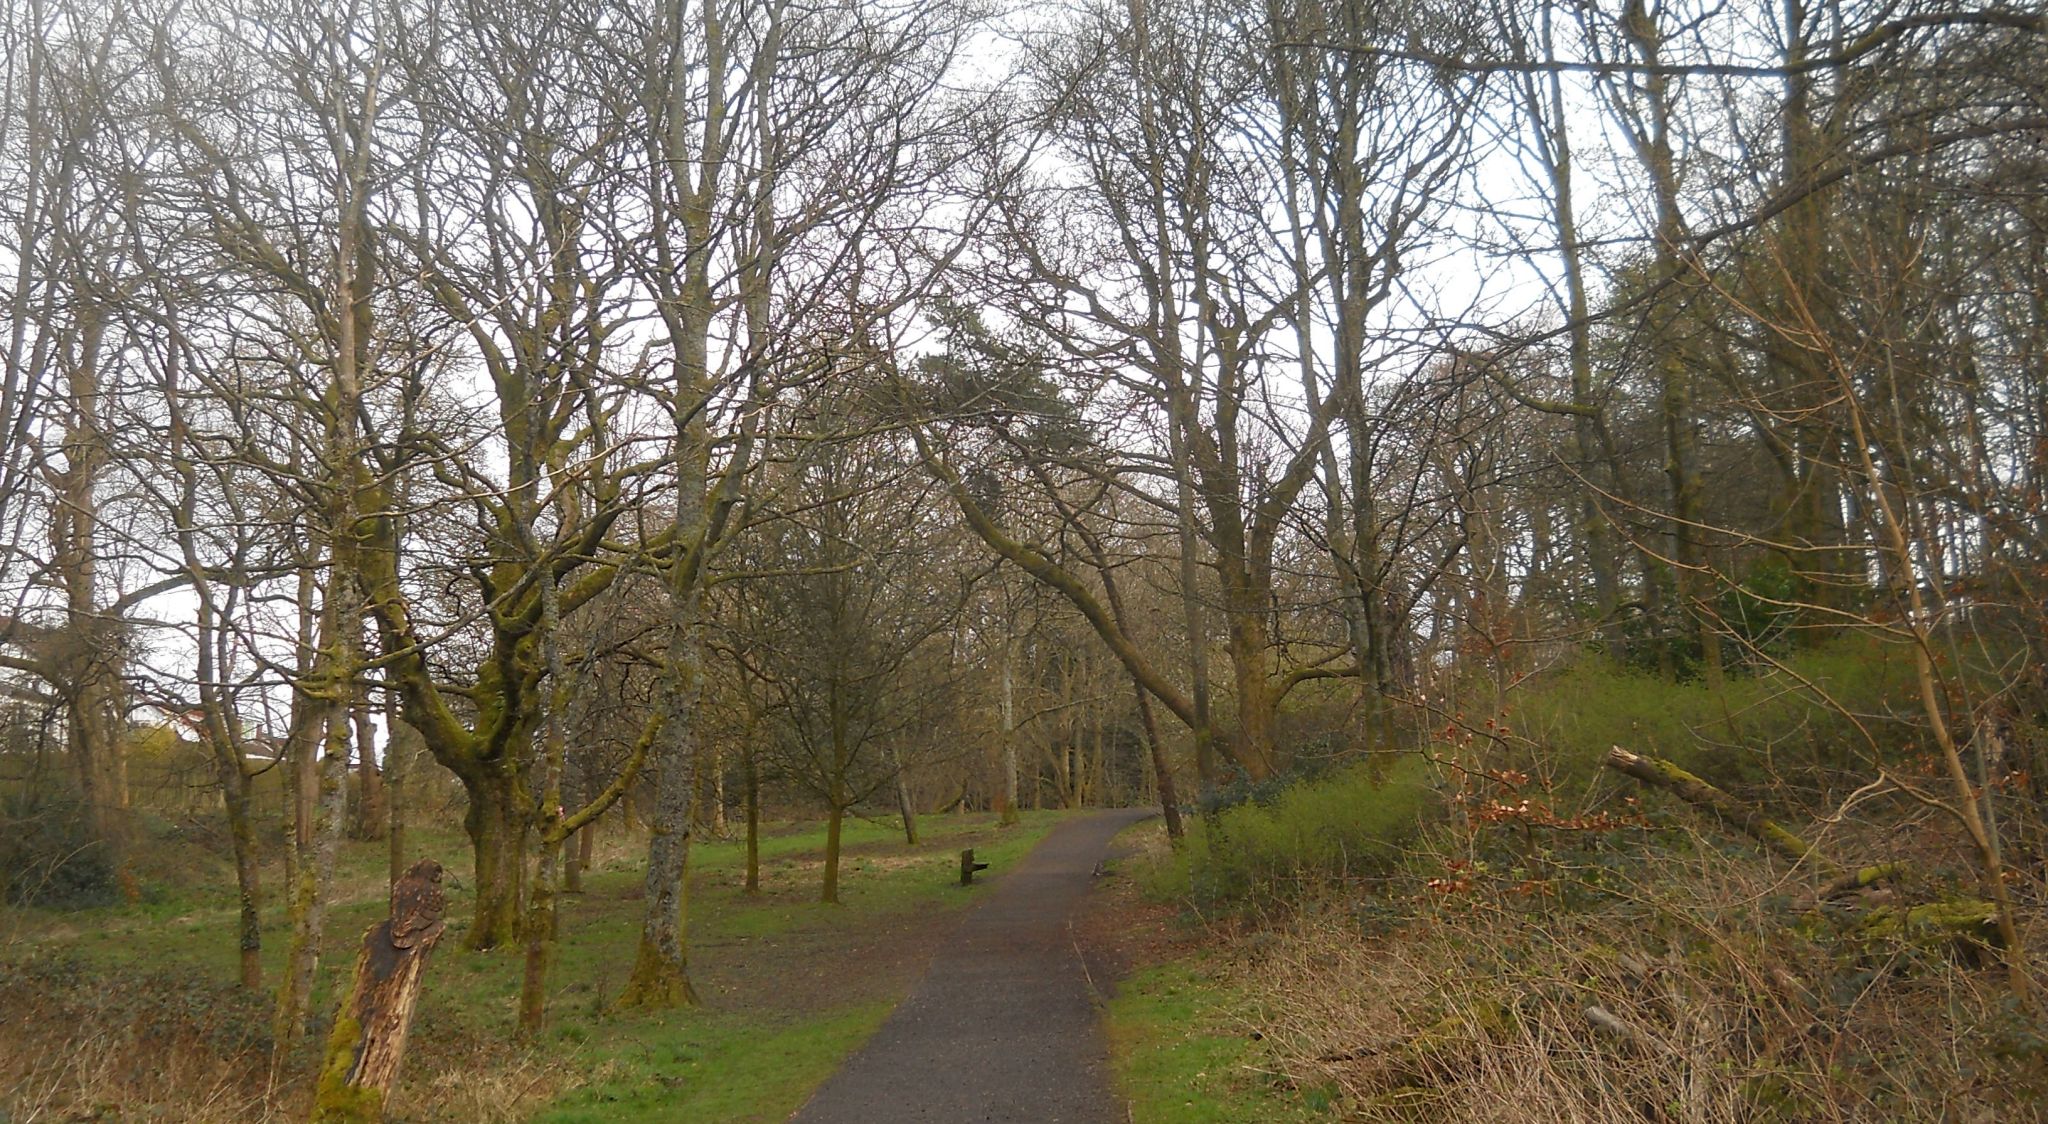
x=1663, y=774
x=1968, y=921
x=1851, y=881
x=370, y=1028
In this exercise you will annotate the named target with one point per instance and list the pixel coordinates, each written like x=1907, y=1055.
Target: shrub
x=49, y=857
x=1287, y=838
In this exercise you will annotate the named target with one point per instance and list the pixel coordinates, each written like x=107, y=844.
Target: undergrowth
x=1500, y=929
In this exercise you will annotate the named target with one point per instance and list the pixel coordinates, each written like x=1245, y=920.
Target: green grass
x=1759, y=727
x=1185, y=1055
x=719, y=1066
x=763, y=1039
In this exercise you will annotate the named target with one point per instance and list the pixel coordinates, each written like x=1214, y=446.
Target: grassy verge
x=1184, y=1053
x=721, y=1065
x=1181, y=1027
x=790, y=987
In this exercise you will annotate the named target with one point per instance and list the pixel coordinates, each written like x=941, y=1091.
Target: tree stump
x=968, y=866
x=370, y=1027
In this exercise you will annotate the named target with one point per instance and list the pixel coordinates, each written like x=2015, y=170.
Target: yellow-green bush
x=1340, y=827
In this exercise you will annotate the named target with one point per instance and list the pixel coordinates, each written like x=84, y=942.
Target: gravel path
x=1003, y=1025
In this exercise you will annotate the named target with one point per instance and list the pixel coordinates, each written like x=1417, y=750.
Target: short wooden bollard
x=968, y=866
x=370, y=1027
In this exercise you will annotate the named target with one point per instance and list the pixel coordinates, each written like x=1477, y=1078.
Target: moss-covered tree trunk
x=308, y=907
x=372, y=1024
x=248, y=871
x=499, y=827
x=661, y=968
x=543, y=931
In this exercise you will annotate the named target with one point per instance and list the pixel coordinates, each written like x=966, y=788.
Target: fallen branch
x=1967, y=920
x=1970, y=921
x=1663, y=774
x=1853, y=880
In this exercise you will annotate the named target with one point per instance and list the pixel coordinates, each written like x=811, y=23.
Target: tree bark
x=499, y=827
x=367, y=1045
x=829, y=892
x=368, y=822
x=753, y=819
x=904, y=807
x=1008, y=716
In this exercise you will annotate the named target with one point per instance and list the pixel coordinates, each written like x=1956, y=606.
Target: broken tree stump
x=370, y=1026
x=968, y=866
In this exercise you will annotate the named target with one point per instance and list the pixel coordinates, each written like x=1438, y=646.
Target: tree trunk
x=88, y=657
x=315, y=873
x=575, y=859
x=1162, y=772
x=498, y=827
x=830, y=893
x=368, y=821
x=661, y=970
x=398, y=759
x=367, y=1045
x=1674, y=372
x=543, y=931
x=1009, y=731
x=753, y=823
x=1256, y=705
x=716, y=794
x=903, y=804
x=248, y=868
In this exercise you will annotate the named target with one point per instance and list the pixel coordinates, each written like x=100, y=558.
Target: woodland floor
x=129, y=1012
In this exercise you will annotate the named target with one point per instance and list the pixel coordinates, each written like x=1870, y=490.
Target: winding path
x=1003, y=1025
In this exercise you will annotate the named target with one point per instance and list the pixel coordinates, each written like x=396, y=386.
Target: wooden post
x=370, y=1027
x=968, y=866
